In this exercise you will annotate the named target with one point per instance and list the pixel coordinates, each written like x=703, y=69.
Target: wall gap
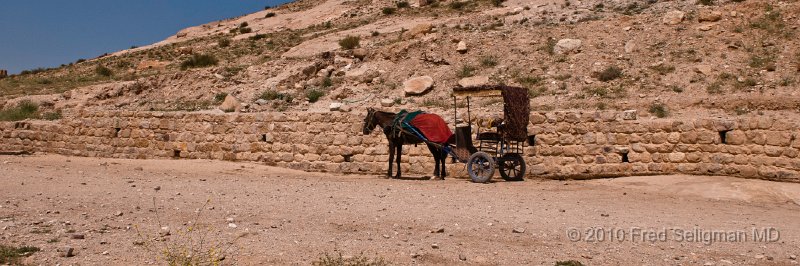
x=722, y=136
x=625, y=157
x=176, y=153
x=531, y=140
x=116, y=132
x=348, y=158
x=263, y=137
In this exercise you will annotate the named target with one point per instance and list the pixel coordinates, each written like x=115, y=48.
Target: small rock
x=435, y=246
x=438, y=230
x=568, y=46
x=759, y=256
x=674, y=17
x=709, y=15
x=726, y=261
x=709, y=264
x=138, y=168
x=78, y=236
x=232, y=225
x=66, y=252
x=360, y=53
x=387, y=102
x=706, y=27
x=157, y=188
x=630, y=47
x=462, y=257
x=415, y=255
x=261, y=102
x=119, y=213
x=629, y=115
x=386, y=236
x=518, y=230
x=461, y=47
x=335, y=106
x=793, y=257
x=105, y=252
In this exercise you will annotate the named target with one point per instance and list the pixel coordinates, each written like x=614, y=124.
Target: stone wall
x=566, y=144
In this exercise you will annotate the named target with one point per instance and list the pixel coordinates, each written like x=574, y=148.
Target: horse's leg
x=399, y=154
x=443, y=159
x=391, y=158
x=435, y=160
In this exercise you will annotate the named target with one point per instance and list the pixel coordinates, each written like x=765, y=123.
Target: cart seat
x=489, y=136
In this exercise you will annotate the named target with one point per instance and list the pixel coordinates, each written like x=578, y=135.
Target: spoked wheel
x=512, y=167
x=480, y=167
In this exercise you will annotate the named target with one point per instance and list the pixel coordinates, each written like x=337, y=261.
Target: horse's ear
x=370, y=109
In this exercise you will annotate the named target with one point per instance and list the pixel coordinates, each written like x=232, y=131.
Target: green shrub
x=706, y=2
x=375, y=33
x=609, y=74
x=270, y=95
x=224, y=43
x=663, y=69
x=715, y=88
x=52, y=115
x=327, y=82
x=569, y=263
x=466, y=71
x=339, y=260
x=269, y=15
x=103, y=71
x=24, y=110
x=388, y=10
x=245, y=30
x=403, y=4
x=499, y=3
x=457, y=5
x=349, y=42
x=12, y=255
x=258, y=37
x=219, y=97
x=244, y=25
x=529, y=81
x=488, y=61
x=659, y=110
x=199, y=60
x=314, y=95
x=550, y=46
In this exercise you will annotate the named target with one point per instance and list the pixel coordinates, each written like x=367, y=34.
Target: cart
x=500, y=148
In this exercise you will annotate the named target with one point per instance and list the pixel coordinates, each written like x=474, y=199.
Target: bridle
x=369, y=121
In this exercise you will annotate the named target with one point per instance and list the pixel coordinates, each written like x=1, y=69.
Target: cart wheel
x=480, y=167
x=512, y=167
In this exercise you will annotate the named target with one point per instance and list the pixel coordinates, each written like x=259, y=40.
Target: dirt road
x=104, y=210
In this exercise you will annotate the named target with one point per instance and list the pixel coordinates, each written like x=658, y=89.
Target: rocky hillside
x=663, y=58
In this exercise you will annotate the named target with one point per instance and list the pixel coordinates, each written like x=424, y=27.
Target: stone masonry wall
x=566, y=144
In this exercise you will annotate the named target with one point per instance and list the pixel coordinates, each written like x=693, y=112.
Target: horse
x=396, y=141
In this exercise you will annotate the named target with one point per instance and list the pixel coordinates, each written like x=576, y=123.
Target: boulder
x=674, y=17
x=230, y=104
x=473, y=81
x=568, y=46
x=360, y=53
x=461, y=47
x=703, y=69
x=417, y=85
x=709, y=15
x=420, y=29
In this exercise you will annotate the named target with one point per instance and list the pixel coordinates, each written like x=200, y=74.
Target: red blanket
x=433, y=127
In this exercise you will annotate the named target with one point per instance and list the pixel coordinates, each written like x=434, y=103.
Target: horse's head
x=369, y=122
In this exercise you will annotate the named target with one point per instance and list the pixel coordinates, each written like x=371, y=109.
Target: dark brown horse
x=396, y=141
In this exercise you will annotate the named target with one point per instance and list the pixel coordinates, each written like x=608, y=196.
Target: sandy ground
x=279, y=216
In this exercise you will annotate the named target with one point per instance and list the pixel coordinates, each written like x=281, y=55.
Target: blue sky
x=48, y=33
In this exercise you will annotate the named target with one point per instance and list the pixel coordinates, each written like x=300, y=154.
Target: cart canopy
x=516, y=107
